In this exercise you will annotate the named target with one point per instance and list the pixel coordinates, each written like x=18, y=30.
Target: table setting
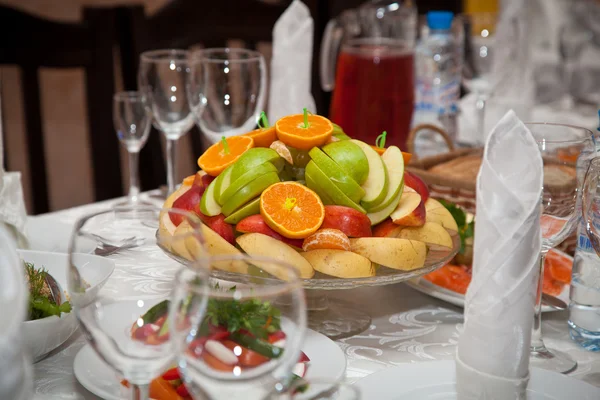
x=323, y=256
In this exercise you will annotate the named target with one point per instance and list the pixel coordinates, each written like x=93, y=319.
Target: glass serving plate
x=337, y=319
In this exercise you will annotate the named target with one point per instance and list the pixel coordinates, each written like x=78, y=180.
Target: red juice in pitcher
x=374, y=90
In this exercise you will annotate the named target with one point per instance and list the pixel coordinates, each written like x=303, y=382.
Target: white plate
x=45, y=233
x=424, y=286
x=437, y=380
x=44, y=335
x=327, y=362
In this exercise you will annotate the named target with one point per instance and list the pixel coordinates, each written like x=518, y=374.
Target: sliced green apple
x=253, y=158
x=337, y=175
x=350, y=157
x=319, y=182
x=248, y=192
x=378, y=216
x=237, y=184
x=325, y=198
x=376, y=184
x=250, y=208
x=222, y=182
x=208, y=204
x=394, y=163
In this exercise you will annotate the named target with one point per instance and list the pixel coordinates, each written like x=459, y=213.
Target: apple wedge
x=401, y=254
x=437, y=213
x=376, y=184
x=257, y=244
x=217, y=246
x=340, y=263
x=165, y=225
x=394, y=165
x=337, y=174
x=430, y=232
x=410, y=210
x=208, y=204
x=378, y=216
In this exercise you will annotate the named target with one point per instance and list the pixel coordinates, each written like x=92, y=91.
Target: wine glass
x=164, y=76
x=132, y=123
x=130, y=335
x=227, y=90
x=566, y=152
x=316, y=389
x=250, y=338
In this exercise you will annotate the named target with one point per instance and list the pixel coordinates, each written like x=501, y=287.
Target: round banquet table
x=407, y=326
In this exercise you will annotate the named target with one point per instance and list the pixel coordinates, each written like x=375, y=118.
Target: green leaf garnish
x=225, y=144
x=263, y=122
x=41, y=305
x=465, y=230
x=306, y=124
x=380, y=141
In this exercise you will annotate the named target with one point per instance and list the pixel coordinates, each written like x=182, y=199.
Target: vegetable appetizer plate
x=424, y=286
x=414, y=381
x=437, y=256
x=327, y=360
x=44, y=335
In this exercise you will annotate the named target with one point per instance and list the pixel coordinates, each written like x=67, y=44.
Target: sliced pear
x=376, y=184
x=431, y=232
x=436, y=212
x=340, y=263
x=401, y=254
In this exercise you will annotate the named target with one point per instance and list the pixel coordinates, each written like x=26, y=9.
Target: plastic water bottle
x=584, y=305
x=438, y=61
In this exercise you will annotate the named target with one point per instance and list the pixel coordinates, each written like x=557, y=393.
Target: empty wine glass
x=250, y=338
x=566, y=152
x=227, y=90
x=132, y=123
x=163, y=78
x=131, y=335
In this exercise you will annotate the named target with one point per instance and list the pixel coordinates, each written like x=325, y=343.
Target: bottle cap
x=439, y=19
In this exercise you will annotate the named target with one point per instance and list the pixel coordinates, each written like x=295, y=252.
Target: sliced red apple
x=414, y=182
x=386, y=228
x=410, y=210
x=188, y=201
x=348, y=220
x=218, y=224
x=257, y=224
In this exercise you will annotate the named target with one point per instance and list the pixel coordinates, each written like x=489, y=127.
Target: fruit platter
x=343, y=212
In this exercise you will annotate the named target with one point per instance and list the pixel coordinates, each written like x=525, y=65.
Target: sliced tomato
x=182, y=391
x=215, y=363
x=453, y=277
x=171, y=374
x=163, y=390
x=247, y=357
x=303, y=358
x=276, y=336
x=559, y=267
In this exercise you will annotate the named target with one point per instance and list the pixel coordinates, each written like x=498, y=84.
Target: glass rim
x=165, y=56
x=129, y=95
x=204, y=55
x=589, y=135
x=278, y=287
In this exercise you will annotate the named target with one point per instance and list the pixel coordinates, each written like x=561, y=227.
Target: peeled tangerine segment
x=340, y=263
x=401, y=254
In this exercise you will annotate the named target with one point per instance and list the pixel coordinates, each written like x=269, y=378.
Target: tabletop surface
x=407, y=326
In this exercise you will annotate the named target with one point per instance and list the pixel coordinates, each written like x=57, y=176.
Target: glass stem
x=140, y=392
x=536, y=335
x=480, y=106
x=134, y=175
x=171, y=165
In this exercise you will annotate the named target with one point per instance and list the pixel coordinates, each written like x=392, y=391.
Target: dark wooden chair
x=186, y=23
x=31, y=43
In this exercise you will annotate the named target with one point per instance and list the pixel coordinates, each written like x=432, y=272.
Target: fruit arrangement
x=304, y=192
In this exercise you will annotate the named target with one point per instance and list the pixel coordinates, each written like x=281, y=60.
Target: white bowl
x=44, y=335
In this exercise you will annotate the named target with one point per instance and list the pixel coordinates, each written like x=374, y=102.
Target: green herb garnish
x=41, y=304
x=465, y=230
x=380, y=141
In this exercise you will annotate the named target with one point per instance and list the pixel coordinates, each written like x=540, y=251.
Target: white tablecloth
x=407, y=326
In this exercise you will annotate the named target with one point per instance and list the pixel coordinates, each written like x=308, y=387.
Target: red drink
x=374, y=91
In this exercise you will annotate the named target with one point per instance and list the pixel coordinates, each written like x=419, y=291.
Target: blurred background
x=71, y=105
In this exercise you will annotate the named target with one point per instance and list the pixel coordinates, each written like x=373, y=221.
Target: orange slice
x=216, y=158
x=291, y=209
x=292, y=131
x=381, y=150
x=327, y=239
x=263, y=137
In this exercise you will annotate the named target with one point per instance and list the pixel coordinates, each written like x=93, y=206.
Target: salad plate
x=557, y=289
x=414, y=381
x=327, y=360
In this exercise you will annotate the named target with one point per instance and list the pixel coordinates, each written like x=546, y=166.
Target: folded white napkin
x=493, y=350
x=15, y=370
x=291, y=65
x=12, y=204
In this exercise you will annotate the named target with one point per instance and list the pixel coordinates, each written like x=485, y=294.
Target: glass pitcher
x=367, y=59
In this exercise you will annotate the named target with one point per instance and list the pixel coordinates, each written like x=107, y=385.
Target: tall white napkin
x=12, y=204
x=15, y=370
x=493, y=350
x=291, y=65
